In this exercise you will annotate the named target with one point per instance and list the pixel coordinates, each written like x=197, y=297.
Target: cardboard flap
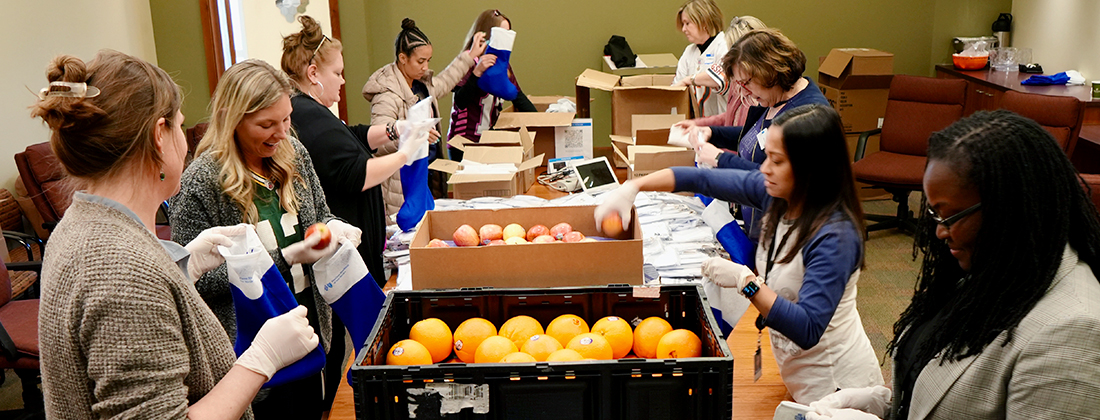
x=526, y=138
x=499, y=137
x=835, y=63
x=622, y=139
x=597, y=80
x=504, y=154
x=531, y=163
x=653, y=121
x=459, y=142
x=656, y=137
x=659, y=60
x=444, y=165
x=534, y=119
x=621, y=155
x=660, y=156
x=470, y=178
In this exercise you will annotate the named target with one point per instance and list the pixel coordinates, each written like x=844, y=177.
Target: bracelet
x=391, y=131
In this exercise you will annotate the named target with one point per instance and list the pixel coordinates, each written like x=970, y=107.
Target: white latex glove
x=204, y=249
x=341, y=230
x=875, y=400
x=619, y=200
x=303, y=253
x=414, y=138
x=727, y=273
x=281, y=341
x=842, y=414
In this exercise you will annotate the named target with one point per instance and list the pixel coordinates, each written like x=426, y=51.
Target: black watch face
x=750, y=289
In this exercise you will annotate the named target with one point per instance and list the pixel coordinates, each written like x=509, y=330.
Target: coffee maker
x=1002, y=29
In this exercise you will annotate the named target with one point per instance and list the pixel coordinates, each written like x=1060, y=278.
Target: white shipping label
x=452, y=398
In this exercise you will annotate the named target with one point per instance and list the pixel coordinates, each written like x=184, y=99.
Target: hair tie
x=68, y=90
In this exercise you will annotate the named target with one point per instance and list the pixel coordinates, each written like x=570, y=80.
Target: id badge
x=761, y=137
x=757, y=365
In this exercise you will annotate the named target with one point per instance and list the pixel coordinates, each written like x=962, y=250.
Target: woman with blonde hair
x=249, y=170
x=737, y=102
x=122, y=331
x=701, y=23
x=396, y=87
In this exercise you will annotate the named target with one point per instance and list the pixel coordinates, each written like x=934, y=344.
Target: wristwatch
x=750, y=289
x=718, y=157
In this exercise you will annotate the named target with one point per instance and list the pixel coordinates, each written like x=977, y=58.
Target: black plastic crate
x=690, y=388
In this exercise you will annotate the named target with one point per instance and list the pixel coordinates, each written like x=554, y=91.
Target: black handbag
x=620, y=52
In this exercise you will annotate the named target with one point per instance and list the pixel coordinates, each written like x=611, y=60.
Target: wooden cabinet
x=979, y=96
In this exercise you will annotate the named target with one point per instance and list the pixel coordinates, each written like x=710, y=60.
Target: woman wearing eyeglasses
x=810, y=255
x=737, y=103
x=394, y=88
x=1005, y=318
x=474, y=110
x=767, y=67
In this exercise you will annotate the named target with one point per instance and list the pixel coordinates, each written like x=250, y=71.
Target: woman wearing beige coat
x=399, y=85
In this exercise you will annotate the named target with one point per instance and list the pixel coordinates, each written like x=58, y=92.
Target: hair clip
x=68, y=90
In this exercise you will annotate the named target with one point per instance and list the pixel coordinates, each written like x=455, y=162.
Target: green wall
x=557, y=40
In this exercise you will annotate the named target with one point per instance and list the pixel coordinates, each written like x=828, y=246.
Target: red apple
x=536, y=231
x=543, y=239
x=612, y=225
x=496, y=242
x=438, y=243
x=490, y=232
x=559, y=230
x=573, y=236
x=320, y=229
x=465, y=235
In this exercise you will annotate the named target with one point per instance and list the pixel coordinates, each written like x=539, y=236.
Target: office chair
x=1059, y=115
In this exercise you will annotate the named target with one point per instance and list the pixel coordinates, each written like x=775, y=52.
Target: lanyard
x=773, y=252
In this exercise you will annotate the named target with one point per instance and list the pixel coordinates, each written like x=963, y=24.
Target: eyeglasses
x=948, y=221
x=744, y=84
x=319, y=44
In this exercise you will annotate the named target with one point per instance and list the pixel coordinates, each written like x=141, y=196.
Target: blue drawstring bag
x=260, y=293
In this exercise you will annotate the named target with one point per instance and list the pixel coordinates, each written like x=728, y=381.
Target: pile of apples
x=493, y=234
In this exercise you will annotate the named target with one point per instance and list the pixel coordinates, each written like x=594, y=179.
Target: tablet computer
x=596, y=175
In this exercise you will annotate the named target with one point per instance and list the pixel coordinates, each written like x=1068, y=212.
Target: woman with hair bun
x=394, y=88
x=122, y=331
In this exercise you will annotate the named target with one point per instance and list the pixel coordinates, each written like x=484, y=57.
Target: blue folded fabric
x=1040, y=80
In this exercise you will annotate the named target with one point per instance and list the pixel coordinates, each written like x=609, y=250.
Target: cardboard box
x=645, y=129
x=644, y=160
x=645, y=64
x=856, y=81
x=494, y=147
x=541, y=103
x=863, y=190
x=524, y=265
x=860, y=109
x=644, y=94
x=542, y=126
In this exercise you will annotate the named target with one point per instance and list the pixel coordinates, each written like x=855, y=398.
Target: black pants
x=334, y=361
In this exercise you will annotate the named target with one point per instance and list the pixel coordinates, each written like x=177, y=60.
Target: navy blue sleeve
x=725, y=137
x=735, y=185
x=830, y=258
x=735, y=161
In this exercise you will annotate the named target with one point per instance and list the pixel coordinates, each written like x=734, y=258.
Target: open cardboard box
x=543, y=127
x=494, y=147
x=856, y=81
x=644, y=160
x=524, y=265
x=643, y=94
x=645, y=64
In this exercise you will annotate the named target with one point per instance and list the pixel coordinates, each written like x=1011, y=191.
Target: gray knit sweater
x=202, y=203
x=122, y=331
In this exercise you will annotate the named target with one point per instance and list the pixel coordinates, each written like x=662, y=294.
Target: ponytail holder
x=68, y=90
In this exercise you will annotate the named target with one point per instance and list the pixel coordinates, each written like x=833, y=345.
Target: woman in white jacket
x=701, y=23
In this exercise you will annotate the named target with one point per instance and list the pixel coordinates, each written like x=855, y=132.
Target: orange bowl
x=969, y=63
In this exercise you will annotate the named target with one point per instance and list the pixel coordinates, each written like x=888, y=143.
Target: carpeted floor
x=885, y=288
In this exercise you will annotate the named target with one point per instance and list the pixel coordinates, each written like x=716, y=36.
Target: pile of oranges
x=523, y=339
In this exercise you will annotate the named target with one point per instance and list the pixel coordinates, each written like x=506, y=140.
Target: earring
x=162, y=176
x=322, y=87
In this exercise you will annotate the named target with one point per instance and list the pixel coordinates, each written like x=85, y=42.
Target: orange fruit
x=494, y=348
x=617, y=332
x=679, y=344
x=564, y=327
x=469, y=335
x=519, y=329
x=434, y=334
x=647, y=334
x=540, y=346
x=591, y=346
x=518, y=357
x=564, y=355
x=408, y=352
